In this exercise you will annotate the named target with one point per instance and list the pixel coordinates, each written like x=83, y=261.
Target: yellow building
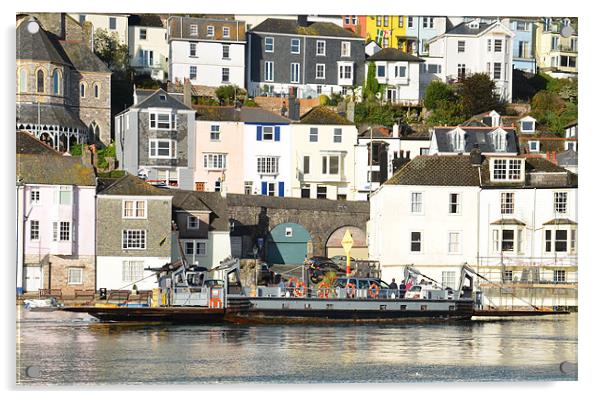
x=387, y=30
x=556, y=46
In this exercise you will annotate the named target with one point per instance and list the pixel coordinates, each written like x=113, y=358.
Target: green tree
x=437, y=92
x=447, y=113
x=108, y=48
x=371, y=86
x=227, y=94
x=477, y=94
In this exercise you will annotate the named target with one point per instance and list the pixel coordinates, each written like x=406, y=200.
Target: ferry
x=191, y=294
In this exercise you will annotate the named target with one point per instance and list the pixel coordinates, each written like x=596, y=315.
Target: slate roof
x=457, y=170
x=217, y=113
x=82, y=58
x=505, y=222
x=481, y=136
x=132, y=185
x=291, y=27
x=559, y=221
x=393, y=54
x=204, y=201
x=259, y=115
x=323, y=116
x=54, y=169
x=149, y=20
x=37, y=46
x=49, y=114
x=28, y=144
x=567, y=158
x=156, y=100
x=437, y=171
x=463, y=29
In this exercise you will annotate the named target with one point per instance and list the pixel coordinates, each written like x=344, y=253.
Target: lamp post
x=255, y=250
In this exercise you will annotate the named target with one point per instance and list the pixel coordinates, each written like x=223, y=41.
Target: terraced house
x=133, y=232
x=55, y=219
x=302, y=57
x=155, y=139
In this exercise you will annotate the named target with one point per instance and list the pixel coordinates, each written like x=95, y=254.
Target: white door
x=33, y=278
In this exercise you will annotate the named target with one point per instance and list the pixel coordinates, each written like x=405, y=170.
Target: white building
x=323, y=155
x=147, y=43
x=399, y=72
x=112, y=23
x=209, y=52
x=267, y=148
x=512, y=218
x=475, y=47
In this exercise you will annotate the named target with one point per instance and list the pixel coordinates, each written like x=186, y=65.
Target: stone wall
x=55, y=272
x=256, y=216
x=109, y=226
x=180, y=135
x=92, y=109
x=274, y=104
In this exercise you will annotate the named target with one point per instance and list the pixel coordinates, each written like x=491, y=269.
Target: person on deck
x=393, y=287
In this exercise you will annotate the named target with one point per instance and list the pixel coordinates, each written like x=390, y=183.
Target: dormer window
x=495, y=118
x=527, y=126
x=474, y=24
x=499, y=140
x=458, y=141
x=506, y=169
x=162, y=97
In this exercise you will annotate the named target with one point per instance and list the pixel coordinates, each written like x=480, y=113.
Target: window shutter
x=281, y=189
x=264, y=188
x=277, y=135
x=259, y=133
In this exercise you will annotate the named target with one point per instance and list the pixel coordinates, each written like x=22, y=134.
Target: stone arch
x=83, y=87
x=360, y=247
x=96, y=89
x=94, y=132
x=40, y=80
x=57, y=82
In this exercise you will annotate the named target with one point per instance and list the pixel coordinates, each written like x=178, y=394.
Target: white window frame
x=497, y=42
x=420, y=241
x=323, y=53
x=226, y=31
x=34, y=196
x=345, y=49
x=448, y=276
x=337, y=135
x=533, y=148
x=155, y=124
x=210, y=31
x=191, y=73
x=226, y=71
x=417, y=203
x=522, y=126
x=507, y=202
x=64, y=189
x=125, y=237
x=153, y=148
x=507, y=169
x=298, y=45
x=295, y=72
x=225, y=51
x=129, y=274
x=328, y=164
x=194, y=225
x=214, y=161
x=458, y=204
x=314, y=134
x=70, y=276
x=270, y=45
x=462, y=47
x=561, y=201
x=194, y=30
x=59, y=233
x=214, y=132
x=140, y=34
x=33, y=230
x=272, y=133
x=323, y=74
x=267, y=165
x=136, y=209
x=458, y=243
x=192, y=50
x=268, y=71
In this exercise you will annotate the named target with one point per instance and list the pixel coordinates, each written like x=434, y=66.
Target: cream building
x=556, y=46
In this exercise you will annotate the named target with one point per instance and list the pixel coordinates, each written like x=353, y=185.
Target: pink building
x=55, y=219
x=219, y=150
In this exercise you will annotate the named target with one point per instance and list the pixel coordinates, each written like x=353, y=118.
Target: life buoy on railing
x=215, y=303
x=323, y=289
x=374, y=291
x=300, y=289
x=350, y=290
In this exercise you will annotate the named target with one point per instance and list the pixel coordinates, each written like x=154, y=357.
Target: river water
x=75, y=349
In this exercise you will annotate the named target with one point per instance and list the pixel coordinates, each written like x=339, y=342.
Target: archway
x=360, y=244
x=47, y=139
x=287, y=244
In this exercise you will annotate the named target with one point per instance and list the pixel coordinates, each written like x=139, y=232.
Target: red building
x=353, y=22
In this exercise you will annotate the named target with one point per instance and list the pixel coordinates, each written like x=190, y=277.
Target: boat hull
x=182, y=315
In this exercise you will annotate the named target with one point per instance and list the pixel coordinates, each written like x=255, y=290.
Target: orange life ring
x=300, y=289
x=215, y=303
x=350, y=292
x=323, y=289
x=374, y=291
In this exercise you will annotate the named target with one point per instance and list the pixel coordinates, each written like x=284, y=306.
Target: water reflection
x=75, y=349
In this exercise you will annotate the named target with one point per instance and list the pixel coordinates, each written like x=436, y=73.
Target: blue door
x=287, y=244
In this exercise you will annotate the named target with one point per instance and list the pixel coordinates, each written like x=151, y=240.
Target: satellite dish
x=567, y=31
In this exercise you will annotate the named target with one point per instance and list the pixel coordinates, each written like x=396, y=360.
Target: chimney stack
x=187, y=93
x=294, y=112
x=475, y=156
x=383, y=164
x=302, y=21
